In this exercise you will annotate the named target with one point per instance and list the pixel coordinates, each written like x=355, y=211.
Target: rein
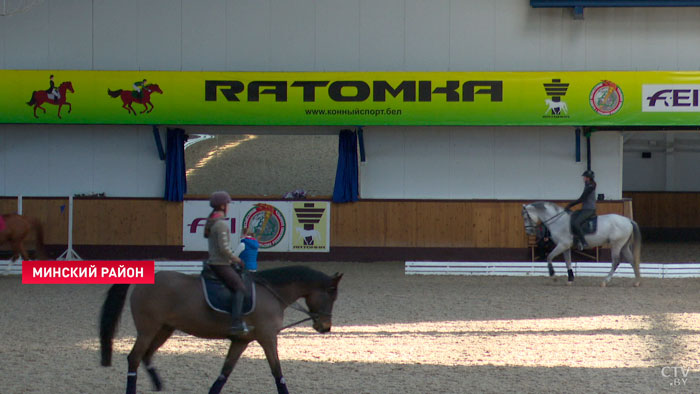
x=544, y=222
x=294, y=305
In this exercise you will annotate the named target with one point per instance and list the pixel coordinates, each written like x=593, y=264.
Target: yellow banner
x=350, y=98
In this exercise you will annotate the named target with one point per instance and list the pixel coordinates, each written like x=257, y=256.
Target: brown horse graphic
x=41, y=96
x=128, y=97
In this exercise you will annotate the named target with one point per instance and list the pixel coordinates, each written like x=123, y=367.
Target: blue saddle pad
x=220, y=298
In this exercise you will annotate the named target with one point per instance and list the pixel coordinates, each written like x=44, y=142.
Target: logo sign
x=606, y=98
x=556, y=108
x=87, y=272
x=671, y=98
x=267, y=223
x=194, y=218
x=311, y=222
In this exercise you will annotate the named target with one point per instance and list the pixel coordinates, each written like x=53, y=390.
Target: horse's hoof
x=569, y=283
x=636, y=284
x=604, y=284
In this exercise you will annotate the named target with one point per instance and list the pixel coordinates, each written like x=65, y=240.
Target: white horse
x=560, y=106
x=619, y=231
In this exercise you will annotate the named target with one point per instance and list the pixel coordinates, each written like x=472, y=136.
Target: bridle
x=313, y=316
x=544, y=222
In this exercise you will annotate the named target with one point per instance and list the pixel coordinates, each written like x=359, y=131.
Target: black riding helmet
x=589, y=174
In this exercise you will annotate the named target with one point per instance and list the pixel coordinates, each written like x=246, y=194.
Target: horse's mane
x=545, y=204
x=296, y=273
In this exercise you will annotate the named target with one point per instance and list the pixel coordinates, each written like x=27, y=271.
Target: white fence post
x=70, y=254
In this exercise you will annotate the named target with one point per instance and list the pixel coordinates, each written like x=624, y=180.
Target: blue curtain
x=175, y=181
x=345, y=189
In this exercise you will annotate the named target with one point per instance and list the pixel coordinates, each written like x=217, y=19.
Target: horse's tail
x=114, y=93
x=109, y=320
x=637, y=246
x=32, y=101
x=39, y=233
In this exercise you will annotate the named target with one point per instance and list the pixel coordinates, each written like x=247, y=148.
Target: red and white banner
x=87, y=272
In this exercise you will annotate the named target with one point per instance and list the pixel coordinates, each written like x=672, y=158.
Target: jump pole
x=70, y=254
x=19, y=204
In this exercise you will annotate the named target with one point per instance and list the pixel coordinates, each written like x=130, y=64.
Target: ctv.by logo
x=201, y=222
x=678, y=376
x=670, y=98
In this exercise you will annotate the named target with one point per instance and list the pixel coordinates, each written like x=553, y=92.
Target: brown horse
x=176, y=302
x=15, y=229
x=128, y=97
x=41, y=96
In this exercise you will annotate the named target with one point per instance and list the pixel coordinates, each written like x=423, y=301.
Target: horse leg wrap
x=281, y=385
x=218, y=385
x=131, y=383
x=551, y=269
x=157, y=384
x=571, y=275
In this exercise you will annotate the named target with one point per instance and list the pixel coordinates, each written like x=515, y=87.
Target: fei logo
x=670, y=98
x=201, y=222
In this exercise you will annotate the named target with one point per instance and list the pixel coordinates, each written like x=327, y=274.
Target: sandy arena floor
x=392, y=334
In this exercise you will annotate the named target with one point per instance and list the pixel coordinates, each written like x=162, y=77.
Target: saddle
x=590, y=225
x=220, y=298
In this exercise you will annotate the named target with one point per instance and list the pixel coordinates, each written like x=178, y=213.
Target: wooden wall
x=378, y=223
x=465, y=224
x=666, y=209
x=112, y=221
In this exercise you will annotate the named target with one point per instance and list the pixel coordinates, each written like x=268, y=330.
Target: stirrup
x=238, y=329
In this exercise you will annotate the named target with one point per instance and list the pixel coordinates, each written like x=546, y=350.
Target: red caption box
x=87, y=272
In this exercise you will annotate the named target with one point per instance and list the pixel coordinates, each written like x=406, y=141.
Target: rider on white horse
x=587, y=201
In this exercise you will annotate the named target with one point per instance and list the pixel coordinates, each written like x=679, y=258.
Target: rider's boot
x=238, y=327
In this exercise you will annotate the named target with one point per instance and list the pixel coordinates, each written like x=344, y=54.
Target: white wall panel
x=160, y=35
x=309, y=35
x=644, y=174
x=517, y=36
x=204, y=25
x=427, y=151
x=293, y=38
x=559, y=173
x=337, y=35
x=655, y=43
x=688, y=30
x=43, y=160
x=27, y=39
x=607, y=163
x=382, y=175
x=472, y=163
x=70, y=34
x=71, y=161
x=116, y=34
x=249, y=26
x=551, y=39
x=27, y=160
x=485, y=163
x=427, y=27
x=517, y=163
x=602, y=52
x=151, y=170
x=382, y=35
x=471, y=49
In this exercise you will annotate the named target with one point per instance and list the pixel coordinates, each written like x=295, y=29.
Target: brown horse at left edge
x=15, y=228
